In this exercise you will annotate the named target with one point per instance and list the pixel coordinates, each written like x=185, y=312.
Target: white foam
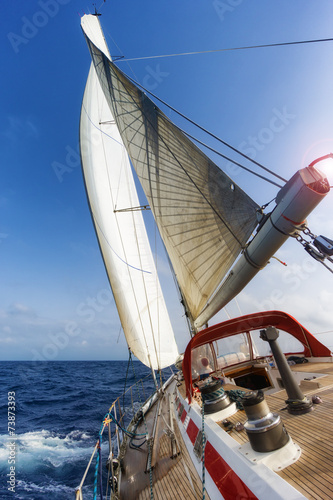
x=45, y=488
x=50, y=448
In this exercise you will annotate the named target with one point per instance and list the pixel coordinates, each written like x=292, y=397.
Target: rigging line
x=281, y=44
x=207, y=131
x=114, y=68
x=227, y=157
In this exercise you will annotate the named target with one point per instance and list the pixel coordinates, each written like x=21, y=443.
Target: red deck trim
x=226, y=480
x=192, y=431
x=182, y=418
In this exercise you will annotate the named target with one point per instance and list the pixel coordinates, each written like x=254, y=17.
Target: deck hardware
x=297, y=403
x=265, y=429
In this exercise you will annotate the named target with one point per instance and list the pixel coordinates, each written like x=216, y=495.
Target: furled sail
x=203, y=217
x=122, y=234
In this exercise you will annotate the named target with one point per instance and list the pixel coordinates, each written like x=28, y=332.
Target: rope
x=97, y=468
x=230, y=159
x=212, y=396
x=109, y=417
x=281, y=44
x=236, y=397
x=100, y=470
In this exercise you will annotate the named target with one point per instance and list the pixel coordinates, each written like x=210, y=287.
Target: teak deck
x=176, y=478
x=172, y=478
x=312, y=474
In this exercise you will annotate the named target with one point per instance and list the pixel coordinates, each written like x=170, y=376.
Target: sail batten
x=204, y=219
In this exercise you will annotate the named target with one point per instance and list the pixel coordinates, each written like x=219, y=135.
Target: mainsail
x=122, y=235
x=204, y=219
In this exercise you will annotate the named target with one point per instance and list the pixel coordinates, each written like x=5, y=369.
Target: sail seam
x=182, y=168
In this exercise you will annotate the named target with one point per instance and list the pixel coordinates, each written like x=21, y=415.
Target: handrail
x=120, y=436
x=79, y=488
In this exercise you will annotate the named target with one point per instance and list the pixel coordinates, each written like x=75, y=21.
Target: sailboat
x=242, y=417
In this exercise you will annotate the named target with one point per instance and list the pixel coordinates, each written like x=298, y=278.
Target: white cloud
x=28, y=335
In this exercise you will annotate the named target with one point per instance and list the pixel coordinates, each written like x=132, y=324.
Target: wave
x=36, y=449
x=49, y=463
x=60, y=407
x=53, y=488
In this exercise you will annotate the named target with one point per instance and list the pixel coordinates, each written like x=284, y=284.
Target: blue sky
x=55, y=301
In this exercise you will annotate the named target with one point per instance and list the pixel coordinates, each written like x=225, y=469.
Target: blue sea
x=59, y=408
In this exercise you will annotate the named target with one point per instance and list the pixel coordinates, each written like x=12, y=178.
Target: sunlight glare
x=325, y=165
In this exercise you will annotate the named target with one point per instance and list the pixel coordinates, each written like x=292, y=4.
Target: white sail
x=204, y=219
x=122, y=234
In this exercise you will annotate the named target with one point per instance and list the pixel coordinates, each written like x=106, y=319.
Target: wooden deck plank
x=173, y=478
x=312, y=474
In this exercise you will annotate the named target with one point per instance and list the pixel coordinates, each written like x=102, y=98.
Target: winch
x=213, y=397
x=265, y=429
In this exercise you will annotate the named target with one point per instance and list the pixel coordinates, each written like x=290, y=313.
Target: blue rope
x=211, y=396
x=100, y=469
x=96, y=471
x=129, y=434
x=203, y=454
x=236, y=397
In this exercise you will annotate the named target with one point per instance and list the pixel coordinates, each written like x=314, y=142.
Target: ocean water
x=59, y=408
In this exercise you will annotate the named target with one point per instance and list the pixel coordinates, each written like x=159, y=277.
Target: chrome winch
x=265, y=429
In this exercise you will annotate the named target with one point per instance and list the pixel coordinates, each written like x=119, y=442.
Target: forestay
x=203, y=217
x=122, y=235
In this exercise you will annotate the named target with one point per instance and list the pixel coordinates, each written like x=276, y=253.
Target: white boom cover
x=122, y=235
x=204, y=218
